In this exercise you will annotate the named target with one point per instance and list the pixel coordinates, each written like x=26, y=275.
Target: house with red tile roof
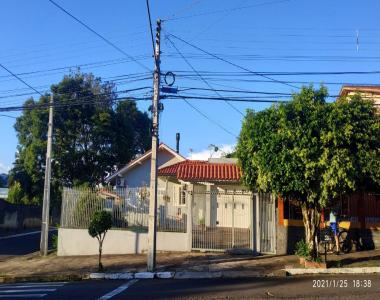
x=204, y=199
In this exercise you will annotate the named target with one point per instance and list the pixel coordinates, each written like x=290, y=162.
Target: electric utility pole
x=152, y=225
x=46, y=200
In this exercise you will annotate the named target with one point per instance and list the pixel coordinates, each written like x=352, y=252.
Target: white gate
x=266, y=229
x=221, y=220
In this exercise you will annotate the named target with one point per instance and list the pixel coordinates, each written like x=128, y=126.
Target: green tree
x=307, y=150
x=100, y=223
x=15, y=194
x=91, y=138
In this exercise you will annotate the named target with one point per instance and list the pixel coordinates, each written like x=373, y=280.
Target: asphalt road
x=264, y=288
x=14, y=243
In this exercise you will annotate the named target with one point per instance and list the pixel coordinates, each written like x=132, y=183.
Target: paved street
x=15, y=243
x=264, y=288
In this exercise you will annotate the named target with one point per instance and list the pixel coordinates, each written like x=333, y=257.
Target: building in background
x=4, y=193
x=137, y=172
x=365, y=91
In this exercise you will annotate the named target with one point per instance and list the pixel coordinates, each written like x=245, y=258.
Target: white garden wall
x=79, y=242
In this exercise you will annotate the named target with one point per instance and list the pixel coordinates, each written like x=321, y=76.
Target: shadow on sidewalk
x=344, y=262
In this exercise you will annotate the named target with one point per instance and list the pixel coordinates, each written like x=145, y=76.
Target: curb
x=363, y=270
x=185, y=275
x=43, y=278
x=181, y=275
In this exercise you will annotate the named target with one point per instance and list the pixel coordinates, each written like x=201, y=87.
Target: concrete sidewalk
x=79, y=267
x=34, y=264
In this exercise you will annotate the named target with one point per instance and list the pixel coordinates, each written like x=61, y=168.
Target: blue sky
x=262, y=35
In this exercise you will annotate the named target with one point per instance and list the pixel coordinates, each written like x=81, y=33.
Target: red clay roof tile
x=203, y=171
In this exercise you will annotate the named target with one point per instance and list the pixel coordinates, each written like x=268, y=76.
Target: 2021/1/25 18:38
x=341, y=283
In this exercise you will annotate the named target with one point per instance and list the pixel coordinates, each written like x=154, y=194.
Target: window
x=292, y=210
x=182, y=199
x=242, y=206
x=181, y=195
x=225, y=205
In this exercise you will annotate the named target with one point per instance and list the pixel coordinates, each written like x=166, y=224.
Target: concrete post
x=251, y=224
x=208, y=206
x=152, y=221
x=189, y=225
x=233, y=220
x=44, y=243
x=257, y=217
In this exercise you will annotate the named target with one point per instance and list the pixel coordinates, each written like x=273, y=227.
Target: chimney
x=177, y=138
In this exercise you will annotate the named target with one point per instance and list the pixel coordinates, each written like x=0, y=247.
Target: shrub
x=15, y=194
x=54, y=239
x=89, y=203
x=302, y=249
x=100, y=223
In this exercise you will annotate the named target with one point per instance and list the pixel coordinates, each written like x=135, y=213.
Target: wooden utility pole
x=46, y=199
x=152, y=225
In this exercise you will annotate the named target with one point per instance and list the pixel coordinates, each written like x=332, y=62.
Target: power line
x=99, y=35
x=2, y=115
x=201, y=77
x=187, y=7
x=278, y=73
x=208, y=118
x=227, y=10
x=240, y=91
x=286, y=58
x=77, y=99
x=150, y=27
x=214, y=80
x=233, y=91
x=71, y=104
x=70, y=91
x=91, y=64
x=231, y=63
x=18, y=78
x=233, y=99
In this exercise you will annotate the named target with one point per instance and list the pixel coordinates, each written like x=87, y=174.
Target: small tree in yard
x=312, y=152
x=100, y=223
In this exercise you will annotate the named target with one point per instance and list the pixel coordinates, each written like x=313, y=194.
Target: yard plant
x=100, y=223
x=88, y=203
x=312, y=152
x=302, y=249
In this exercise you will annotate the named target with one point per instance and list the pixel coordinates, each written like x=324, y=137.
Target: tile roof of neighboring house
x=346, y=89
x=203, y=171
x=172, y=169
x=143, y=157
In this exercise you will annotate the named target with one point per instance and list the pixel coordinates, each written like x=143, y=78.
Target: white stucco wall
x=79, y=242
x=139, y=175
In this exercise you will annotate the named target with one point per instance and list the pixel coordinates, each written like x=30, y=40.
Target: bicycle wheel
x=345, y=244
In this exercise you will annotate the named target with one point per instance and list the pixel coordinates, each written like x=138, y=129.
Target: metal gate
x=267, y=223
x=221, y=220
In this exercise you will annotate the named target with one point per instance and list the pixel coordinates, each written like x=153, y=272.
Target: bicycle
x=327, y=241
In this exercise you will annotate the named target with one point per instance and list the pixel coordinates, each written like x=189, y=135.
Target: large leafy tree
x=93, y=136
x=311, y=151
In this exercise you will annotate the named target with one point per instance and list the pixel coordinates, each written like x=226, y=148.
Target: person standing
x=334, y=227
